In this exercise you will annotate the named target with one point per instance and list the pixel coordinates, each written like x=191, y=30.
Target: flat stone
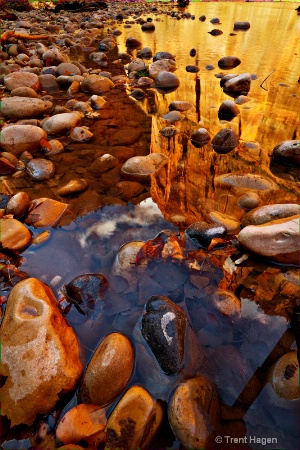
x=267, y=213
x=180, y=105
x=62, y=123
x=23, y=107
x=140, y=167
x=45, y=212
x=278, y=240
x=33, y=321
x=17, y=139
x=249, y=181
x=163, y=328
x=194, y=412
x=173, y=116
x=14, y=235
x=20, y=79
x=108, y=371
x=230, y=223
x=24, y=91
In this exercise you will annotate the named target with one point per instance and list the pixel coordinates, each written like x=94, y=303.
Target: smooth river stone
x=228, y=110
x=73, y=187
x=103, y=164
x=194, y=412
x=45, y=212
x=81, y=134
x=167, y=80
x=134, y=421
x=163, y=328
x=14, y=235
x=225, y=141
x=227, y=303
x=238, y=85
x=249, y=181
x=108, y=371
x=180, y=105
x=287, y=152
x=20, y=79
x=18, y=205
x=40, y=169
x=95, y=84
x=23, y=107
x=200, y=137
x=162, y=65
x=267, y=213
x=230, y=223
x=17, y=139
x=62, y=123
x=40, y=354
x=278, y=240
x=229, y=62
x=284, y=376
x=202, y=233
x=137, y=64
x=140, y=167
x=250, y=200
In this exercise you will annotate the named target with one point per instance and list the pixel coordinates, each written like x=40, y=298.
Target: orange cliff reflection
x=269, y=49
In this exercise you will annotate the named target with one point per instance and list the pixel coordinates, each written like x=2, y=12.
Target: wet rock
x=215, y=20
x=137, y=65
x=284, y=376
x=241, y=25
x=192, y=69
x=228, y=110
x=225, y=141
x=148, y=26
x=180, y=105
x=125, y=136
x=239, y=85
x=278, y=240
x=109, y=370
x=140, y=167
x=103, y=164
x=53, y=57
x=40, y=169
x=133, y=42
x=6, y=166
x=202, y=18
x=267, y=213
x=202, y=233
x=145, y=53
x=209, y=67
x=173, y=116
x=33, y=321
x=14, y=235
x=96, y=84
x=85, y=292
x=167, y=80
x=71, y=447
x=227, y=303
x=73, y=187
x=134, y=421
x=68, y=69
x=17, y=139
x=225, y=78
x=193, y=52
x=45, y=212
x=18, y=205
x=145, y=82
x=287, y=153
x=194, y=412
x=82, y=423
x=163, y=328
x=62, y=123
x=49, y=83
x=229, y=62
x=20, y=79
x=249, y=181
x=66, y=81
x=24, y=91
x=163, y=55
x=52, y=147
x=122, y=152
x=161, y=65
x=168, y=132
x=81, y=134
x=126, y=190
x=241, y=100
x=250, y=200
x=200, y=138
x=23, y=107
x=125, y=264
x=97, y=102
x=229, y=222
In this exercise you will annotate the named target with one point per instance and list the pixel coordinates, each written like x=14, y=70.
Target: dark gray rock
x=163, y=328
x=40, y=169
x=287, y=152
x=241, y=25
x=225, y=141
x=163, y=55
x=238, y=85
x=192, y=69
x=200, y=138
x=228, y=110
x=229, y=62
x=202, y=233
x=202, y=18
x=133, y=42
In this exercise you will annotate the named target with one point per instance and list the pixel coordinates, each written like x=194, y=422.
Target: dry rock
x=17, y=139
x=23, y=107
x=20, y=79
x=96, y=84
x=62, y=123
x=24, y=91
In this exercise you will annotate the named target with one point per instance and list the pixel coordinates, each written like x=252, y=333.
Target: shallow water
x=228, y=351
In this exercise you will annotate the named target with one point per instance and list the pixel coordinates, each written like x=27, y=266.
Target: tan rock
x=161, y=65
x=14, y=235
x=17, y=139
x=140, y=167
x=40, y=354
x=45, y=212
x=20, y=79
x=227, y=303
x=229, y=222
x=95, y=84
x=103, y=164
x=108, y=371
x=127, y=425
x=62, y=123
x=81, y=134
x=194, y=412
x=267, y=213
x=24, y=91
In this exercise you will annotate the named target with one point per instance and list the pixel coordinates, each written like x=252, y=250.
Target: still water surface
x=229, y=351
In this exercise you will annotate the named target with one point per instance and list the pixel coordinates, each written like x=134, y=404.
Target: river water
x=231, y=350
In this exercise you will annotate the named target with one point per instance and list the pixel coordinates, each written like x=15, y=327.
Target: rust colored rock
x=40, y=354
x=45, y=212
x=108, y=371
x=18, y=205
x=13, y=234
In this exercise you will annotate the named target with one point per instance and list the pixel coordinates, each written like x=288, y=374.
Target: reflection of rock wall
x=189, y=187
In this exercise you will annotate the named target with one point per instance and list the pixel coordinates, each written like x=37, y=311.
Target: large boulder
x=39, y=354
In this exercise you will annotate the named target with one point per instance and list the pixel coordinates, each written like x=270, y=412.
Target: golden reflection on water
x=269, y=49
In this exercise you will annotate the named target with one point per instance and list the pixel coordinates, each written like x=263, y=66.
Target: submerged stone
x=108, y=371
x=284, y=376
x=163, y=328
x=45, y=212
x=34, y=326
x=140, y=167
